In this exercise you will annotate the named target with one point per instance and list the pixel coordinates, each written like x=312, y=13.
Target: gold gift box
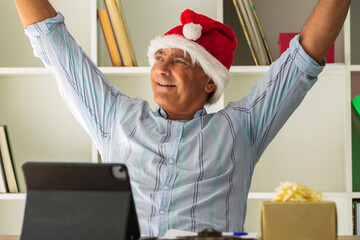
x=298, y=220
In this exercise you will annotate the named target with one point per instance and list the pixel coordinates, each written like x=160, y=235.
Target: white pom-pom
x=192, y=31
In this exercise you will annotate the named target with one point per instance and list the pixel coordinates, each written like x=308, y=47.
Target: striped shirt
x=186, y=175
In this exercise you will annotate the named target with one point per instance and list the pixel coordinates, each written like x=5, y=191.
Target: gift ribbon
x=291, y=191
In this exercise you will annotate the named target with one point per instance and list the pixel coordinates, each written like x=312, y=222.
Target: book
x=284, y=42
x=261, y=31
x=356, y=216
x=3, y=185
x=130, y=46
x=109, y=38
x=120, y=31
x=253, y=32
x=356, y=103
x=261, y=51
x=240, y=10
x=242, y=54
x=7, y=161
x=355, y=150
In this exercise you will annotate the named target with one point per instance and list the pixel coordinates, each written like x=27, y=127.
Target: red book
x=285, y=38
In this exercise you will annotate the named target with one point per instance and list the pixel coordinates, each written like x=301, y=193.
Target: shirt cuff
x=306, y=63
x=44, y=27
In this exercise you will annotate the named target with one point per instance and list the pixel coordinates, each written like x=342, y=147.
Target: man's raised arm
x=33, y=11
x=323, y=26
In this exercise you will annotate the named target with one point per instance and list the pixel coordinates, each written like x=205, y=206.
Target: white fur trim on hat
x=192, y=31
x=211, y=66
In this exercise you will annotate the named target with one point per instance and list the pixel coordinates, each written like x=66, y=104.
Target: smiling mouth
x=166, y=85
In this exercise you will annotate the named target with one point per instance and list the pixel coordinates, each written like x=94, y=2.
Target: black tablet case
x=78, y=201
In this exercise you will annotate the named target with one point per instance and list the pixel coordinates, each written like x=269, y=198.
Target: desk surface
x=344, y=238
x=340, y=238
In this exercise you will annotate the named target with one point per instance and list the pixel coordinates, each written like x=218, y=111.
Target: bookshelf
x=314, y=146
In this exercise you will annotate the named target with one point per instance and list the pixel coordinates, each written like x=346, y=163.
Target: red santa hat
x=209, y=42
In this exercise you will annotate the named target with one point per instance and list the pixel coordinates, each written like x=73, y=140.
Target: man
x=189, y=170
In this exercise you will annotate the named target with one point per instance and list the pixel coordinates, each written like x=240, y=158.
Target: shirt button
x=162, y=212
x=171, y=161
x=167, y=188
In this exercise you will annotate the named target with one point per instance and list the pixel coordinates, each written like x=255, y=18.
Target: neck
x=177, y=115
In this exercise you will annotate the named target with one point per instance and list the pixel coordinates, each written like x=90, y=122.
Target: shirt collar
x=199, y=113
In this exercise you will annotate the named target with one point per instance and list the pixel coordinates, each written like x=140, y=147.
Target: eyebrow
x=178, y=55
x=173, y=55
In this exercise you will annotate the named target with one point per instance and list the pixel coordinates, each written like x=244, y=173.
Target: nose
x=164, y=68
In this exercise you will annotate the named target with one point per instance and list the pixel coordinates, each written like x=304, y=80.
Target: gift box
x=298, y=220
x=284, y=41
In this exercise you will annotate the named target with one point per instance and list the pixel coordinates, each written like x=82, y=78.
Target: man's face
x=178, y=85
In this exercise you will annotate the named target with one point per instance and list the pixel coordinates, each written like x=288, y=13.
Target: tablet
x=78, y=201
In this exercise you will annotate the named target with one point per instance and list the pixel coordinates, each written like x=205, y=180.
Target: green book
x=355, y=137
x=356, y=103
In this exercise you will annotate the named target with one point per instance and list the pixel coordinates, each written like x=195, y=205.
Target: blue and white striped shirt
x=186, y=175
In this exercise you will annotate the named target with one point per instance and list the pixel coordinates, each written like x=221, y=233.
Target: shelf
x=12, y=196
x=125, y=70
x=353, y=68
x=23, y=71
x=146, y=70
x=251, y=196
x=139, y=71
x=327, y=195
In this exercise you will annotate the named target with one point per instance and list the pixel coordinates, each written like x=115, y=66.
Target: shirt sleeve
x=87, y=93
x=277, y=95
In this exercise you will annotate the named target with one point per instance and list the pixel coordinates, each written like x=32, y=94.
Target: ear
x=210, y=86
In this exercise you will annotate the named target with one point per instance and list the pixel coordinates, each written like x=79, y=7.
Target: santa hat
x=209, y=42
